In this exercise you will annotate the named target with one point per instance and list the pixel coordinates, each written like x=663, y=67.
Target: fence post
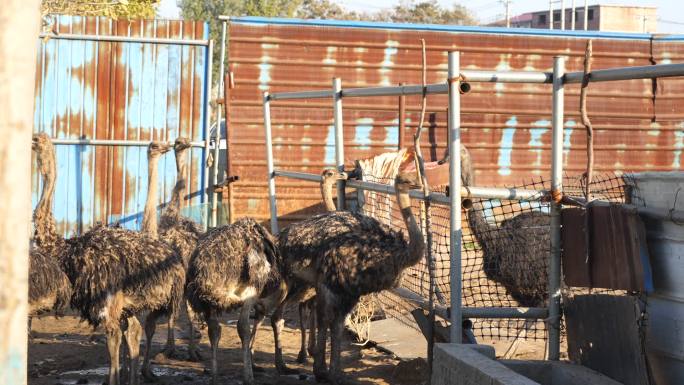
x=217, y=137
x=339, y=139
x=269, y=164
x=455, y=196
x=207, y=123
x=556, y=190
x=18, y=51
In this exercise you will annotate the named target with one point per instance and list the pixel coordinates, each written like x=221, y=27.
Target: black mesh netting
x=515, y=231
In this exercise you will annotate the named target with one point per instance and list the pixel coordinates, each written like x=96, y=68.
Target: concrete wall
x=631, y=19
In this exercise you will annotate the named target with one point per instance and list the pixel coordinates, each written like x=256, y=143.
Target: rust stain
x=506, y=127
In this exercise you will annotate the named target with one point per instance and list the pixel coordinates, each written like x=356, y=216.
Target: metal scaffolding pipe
x=269, y=165
x=301, y=95
x=437, y=198
x=207, y=132
x=556, y=191
x=339, y=139
x=217, y=137
x=627, y=73
x=112, y=142
x=455, y=198
x=124, y=39
x=534, y=313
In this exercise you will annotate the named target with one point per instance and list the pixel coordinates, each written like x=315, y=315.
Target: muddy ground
x=66, y=351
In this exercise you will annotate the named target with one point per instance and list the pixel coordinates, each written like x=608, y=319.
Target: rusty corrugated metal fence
x=99, y=78
x=506, y=126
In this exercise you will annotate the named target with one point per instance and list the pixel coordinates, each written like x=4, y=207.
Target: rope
x=420, y=171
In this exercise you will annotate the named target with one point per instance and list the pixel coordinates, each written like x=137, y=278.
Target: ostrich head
x=181, y=144
x=157, y=149
x=45, y=151
x=328, y=178
x=406, y=181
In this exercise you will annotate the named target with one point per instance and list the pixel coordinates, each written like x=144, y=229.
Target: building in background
x=611, y=18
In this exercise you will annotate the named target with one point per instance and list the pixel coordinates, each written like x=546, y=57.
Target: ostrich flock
x=112, y=276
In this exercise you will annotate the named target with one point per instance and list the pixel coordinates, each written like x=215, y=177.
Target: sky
x=670, y=12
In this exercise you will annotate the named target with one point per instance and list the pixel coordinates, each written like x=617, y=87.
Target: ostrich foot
x=321, y=376
x=257, y=369
x=194, y=355
x=283, y=369
x=149, y=376
x=170, y=352
x=302, y=357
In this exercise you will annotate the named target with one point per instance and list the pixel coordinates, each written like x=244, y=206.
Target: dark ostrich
x=49, y=287
x=344, y=256
x=234, y=266
x=116, y=274
x=182, y=234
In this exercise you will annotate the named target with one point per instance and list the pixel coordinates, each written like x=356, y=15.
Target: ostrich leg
x=214, y=338
x=319, y=367
x=245, y=334
x=312, y=328
x=193, y=350
x=336, y=328
x=170, y=348
x=302, y=356
x=133, y=334
x=150, y=327
x=113, y=334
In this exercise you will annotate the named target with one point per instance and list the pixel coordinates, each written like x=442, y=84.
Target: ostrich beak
x=34, y=143
x=181, y=144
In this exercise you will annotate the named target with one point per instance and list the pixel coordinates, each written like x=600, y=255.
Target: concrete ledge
x=456, y=364
x=558, y=373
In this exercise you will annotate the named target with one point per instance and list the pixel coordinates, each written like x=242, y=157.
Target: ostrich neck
x=44, y=222
x=326, y=191
x=482, y=231
x=149, y=225
x=173, y=209
x=416, y=241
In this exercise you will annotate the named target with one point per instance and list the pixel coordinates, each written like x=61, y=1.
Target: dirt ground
x=66, y=351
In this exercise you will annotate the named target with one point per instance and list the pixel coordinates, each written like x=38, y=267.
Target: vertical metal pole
x=207, y=123
x=269, y=164
x=550, y=14
x=339, y=138
x=402, y=119
x=455, y=197
x=562, y=14
x=217, y=137
x=573, y=16
x=508, y=13
x=556, y=190
x=586, y=15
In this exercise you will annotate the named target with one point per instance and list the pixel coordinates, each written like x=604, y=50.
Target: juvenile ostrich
x=182, y=234
x=234, y=266
x=115, y=274
x=49, y=287
x=514, y=254
x=344, y=256
x=150, y=229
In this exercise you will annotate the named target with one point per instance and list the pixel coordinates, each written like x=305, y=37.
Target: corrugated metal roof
x=88, y=89
x=506, y=126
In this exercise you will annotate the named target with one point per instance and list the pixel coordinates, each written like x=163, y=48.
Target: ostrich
x=115, y=274
x=234, y=266
x=514, y=253
x=49, y=287
x=150, y=229
x=182, y=234
x=344, y=256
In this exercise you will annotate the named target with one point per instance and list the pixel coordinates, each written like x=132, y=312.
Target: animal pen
x=454, y=309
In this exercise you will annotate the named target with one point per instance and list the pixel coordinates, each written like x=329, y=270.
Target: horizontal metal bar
x=627, y=73
x=538, y=313
x=113, y=142
x=466, y=192
x=437, y=88
x=506, y=77
x=503, y=193
x=124, y=39
x=298, y=175
x=301, y=95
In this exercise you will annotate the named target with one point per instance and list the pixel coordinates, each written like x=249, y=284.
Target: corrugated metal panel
x=506, y=127
x=665, y=306
x=119, y=90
